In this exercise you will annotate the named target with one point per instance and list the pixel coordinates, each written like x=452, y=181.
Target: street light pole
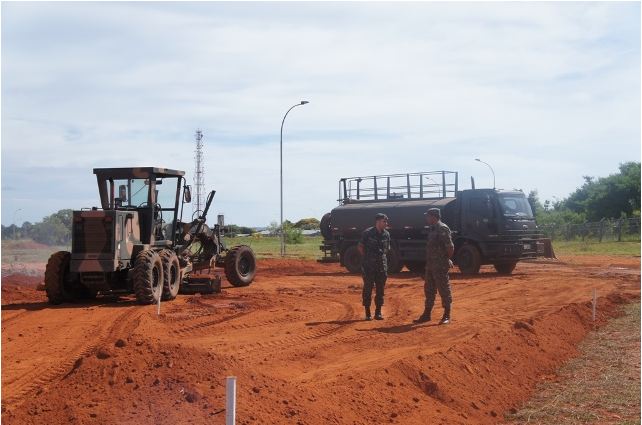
x=491, y=169
x=303, y=102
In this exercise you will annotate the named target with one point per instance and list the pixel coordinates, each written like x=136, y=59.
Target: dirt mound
x=295, y=267
x=19, y=288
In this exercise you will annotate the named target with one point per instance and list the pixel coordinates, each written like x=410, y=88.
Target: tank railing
x=425, y=185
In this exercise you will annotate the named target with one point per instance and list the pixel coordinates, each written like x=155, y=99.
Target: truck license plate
x=527, y=246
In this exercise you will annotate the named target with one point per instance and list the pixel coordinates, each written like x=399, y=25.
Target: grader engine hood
x=103, y=241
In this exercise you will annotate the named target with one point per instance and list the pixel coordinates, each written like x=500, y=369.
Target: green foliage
x=307, y=224
x=617, y=195
x=292, y=234
x=54, y=229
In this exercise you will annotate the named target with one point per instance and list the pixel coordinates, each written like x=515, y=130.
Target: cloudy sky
x=544, y=92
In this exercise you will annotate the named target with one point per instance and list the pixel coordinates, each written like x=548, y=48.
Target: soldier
x=374, y=245
x=439, y=250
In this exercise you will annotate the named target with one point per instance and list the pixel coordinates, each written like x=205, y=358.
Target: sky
x=545, y=93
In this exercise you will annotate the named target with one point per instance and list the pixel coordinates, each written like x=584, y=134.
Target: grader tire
x=171, y=274
x=56, y=274
x=148, y=277
x=240, y=265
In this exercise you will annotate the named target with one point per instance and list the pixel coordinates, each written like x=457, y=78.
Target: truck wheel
x=326, y=230
x=148, y=277
x=352, y=259
x=56, y=275
x=240, y=265
x=505, y=268
x=394, y=265
x=469, y=259
x=418, y=267
x=171, y=274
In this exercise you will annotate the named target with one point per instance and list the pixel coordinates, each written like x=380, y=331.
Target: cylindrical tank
x=405, y=218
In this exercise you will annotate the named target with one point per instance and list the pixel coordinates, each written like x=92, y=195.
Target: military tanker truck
x=489, y=226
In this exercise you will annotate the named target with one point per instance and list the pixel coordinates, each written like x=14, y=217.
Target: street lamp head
x=477, y=159
x=303, y=102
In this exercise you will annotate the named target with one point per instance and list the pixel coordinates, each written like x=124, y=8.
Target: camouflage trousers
x=436, y=279
x=373, y=278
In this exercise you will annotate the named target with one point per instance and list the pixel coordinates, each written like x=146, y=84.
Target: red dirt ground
x=301, y=352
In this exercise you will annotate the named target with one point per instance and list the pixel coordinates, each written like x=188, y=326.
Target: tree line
x=55, y=229
x=615, y=196
x=612, y=197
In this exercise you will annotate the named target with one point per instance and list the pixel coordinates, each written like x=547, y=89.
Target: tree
x=536, y=205
x=307, y=224
x=608, y=197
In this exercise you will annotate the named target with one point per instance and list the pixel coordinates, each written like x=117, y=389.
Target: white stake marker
x=230, y=401
x=158, y=308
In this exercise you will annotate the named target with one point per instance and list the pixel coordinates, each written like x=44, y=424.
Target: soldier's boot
x=378, y=315
x=368, y=314
x=446, y=318
x=425, y=317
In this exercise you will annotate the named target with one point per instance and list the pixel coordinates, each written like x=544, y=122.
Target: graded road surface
x=302, y=354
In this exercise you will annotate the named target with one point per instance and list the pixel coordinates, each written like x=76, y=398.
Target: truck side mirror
x=187, y=194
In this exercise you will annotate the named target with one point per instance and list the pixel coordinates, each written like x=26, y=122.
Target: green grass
x=602, y=385
x=271, y=246
x=18, y=251
x=596, y=248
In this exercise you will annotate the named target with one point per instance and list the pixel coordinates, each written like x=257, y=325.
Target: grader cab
x=137, y=242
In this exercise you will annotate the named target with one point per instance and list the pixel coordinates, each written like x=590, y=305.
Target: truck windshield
x=515, y=205
x=131, y=192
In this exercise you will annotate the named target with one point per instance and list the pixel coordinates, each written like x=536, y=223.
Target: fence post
x=601, y=229
x=230, y=401
x=619, y=230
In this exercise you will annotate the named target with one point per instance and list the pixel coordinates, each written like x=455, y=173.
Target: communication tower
x=198, y=202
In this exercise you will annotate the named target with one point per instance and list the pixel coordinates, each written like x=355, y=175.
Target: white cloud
x=543, y=91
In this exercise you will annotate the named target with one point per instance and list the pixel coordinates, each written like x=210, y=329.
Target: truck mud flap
x=545, y=248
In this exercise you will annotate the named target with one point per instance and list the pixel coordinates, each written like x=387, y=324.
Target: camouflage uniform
x=375, y=264
x=437, y=265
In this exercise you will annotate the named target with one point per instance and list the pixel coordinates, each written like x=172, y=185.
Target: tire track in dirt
x=39, y=377
x=295, y=341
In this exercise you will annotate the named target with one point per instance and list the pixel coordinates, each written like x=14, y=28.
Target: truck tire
x=148, y=277
x=394, y=264
x=171, y=274
x=505, y=268
x=469, y=259
x=418, y=267
x=56, y=274
x=240, y=265
x=352, y=259
x=326, y=230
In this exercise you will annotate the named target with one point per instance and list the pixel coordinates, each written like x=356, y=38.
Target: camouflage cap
x=381, y=216
x=435, y=212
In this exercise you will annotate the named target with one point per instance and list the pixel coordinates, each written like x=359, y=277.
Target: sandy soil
x=301, y=352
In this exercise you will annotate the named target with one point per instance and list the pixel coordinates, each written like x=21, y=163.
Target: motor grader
x=137, y=242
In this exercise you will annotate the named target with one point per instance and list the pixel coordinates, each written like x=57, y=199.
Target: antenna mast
x=198, y=203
